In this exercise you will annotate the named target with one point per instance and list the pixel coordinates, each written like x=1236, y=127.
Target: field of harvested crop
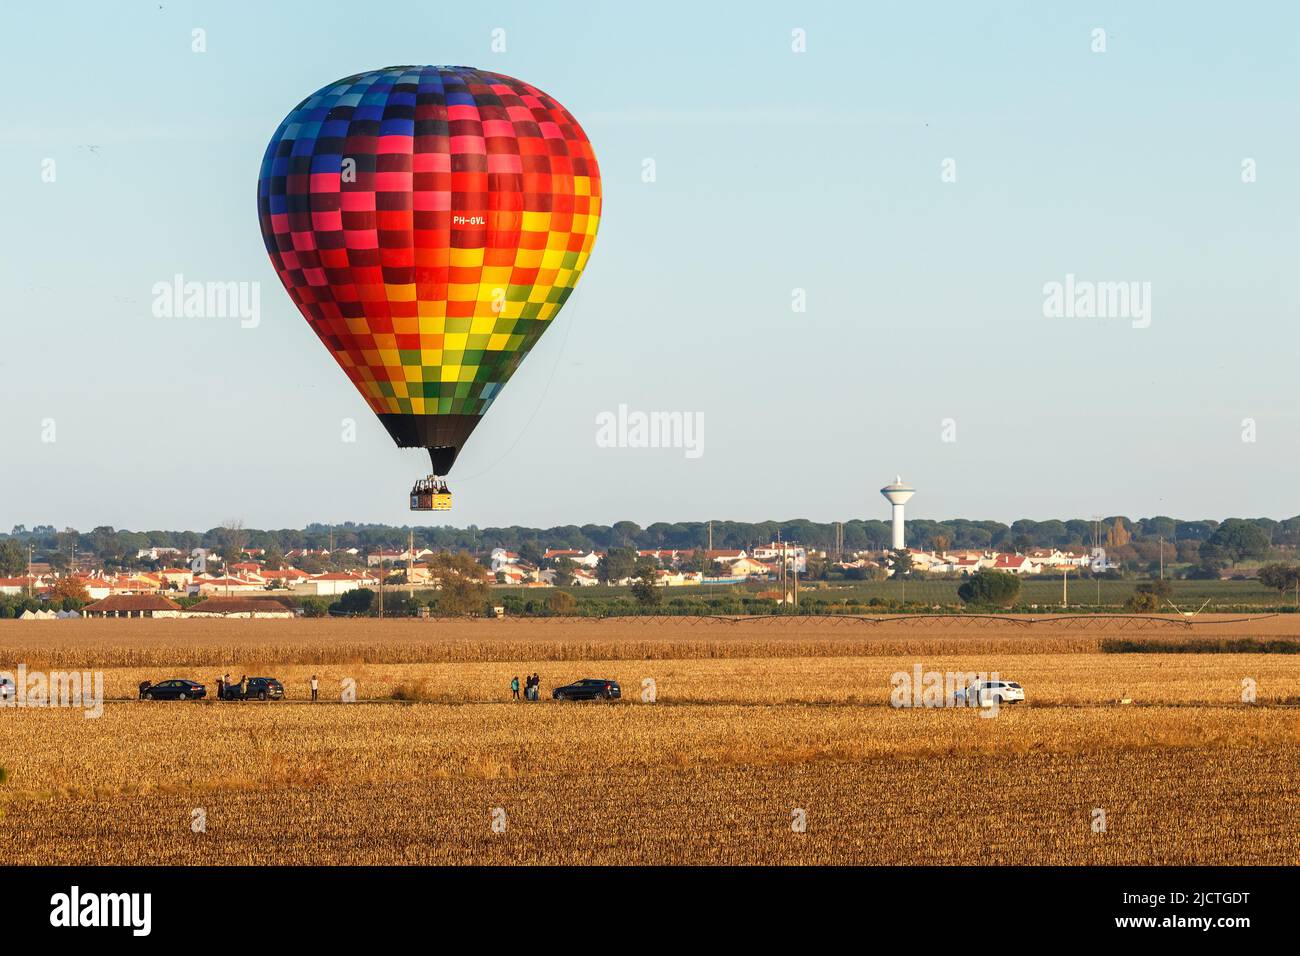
x=766, y=742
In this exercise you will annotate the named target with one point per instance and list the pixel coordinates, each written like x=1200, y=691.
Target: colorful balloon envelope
x=429, y=222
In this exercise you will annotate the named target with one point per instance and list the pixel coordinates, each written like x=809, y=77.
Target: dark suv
x=254, y=688
x=589, y=688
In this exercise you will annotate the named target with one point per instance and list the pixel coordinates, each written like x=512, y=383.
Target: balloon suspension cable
x=433, y=484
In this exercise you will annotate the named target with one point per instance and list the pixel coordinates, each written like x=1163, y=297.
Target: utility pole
x=706, y=566
x=780, y=574
x=1096, y=543
x=29, y=568
x=1065, y=586
x=785, y=569
x=1162, y=557
x=410, y=562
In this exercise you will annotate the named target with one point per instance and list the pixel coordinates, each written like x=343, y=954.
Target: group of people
x=224, y=687
x=532, y=684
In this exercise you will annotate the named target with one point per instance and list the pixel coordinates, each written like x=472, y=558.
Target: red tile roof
x=120, y=603
x=240, y=605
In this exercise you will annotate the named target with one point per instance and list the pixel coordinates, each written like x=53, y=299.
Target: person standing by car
x=315, y=688
x=144, y=686
x=221, y=688
x=514, y=688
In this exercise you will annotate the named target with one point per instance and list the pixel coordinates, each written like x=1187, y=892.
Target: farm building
x=241, y=607
x=132, y=605
x=334, y=583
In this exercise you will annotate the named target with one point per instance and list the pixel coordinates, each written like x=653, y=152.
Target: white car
x=985, y=693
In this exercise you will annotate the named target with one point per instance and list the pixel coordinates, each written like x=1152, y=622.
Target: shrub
x=561, y=602
x=357, y=601
x=314, y=607
x=1149, y=595
x=990, y=588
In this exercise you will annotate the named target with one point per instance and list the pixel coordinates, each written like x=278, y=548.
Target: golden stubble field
x=754, y=727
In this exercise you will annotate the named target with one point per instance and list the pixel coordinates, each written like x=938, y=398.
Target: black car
x=589, y=688
x=254, y=688
x=178, y=689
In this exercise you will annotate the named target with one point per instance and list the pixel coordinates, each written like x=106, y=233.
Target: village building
x=240, y=607
x=750, y=568
x=285, y=577
x=132, y=605
x=795, y=555
x=1015, y=564
x=226, y=585
x=334, y=583
x=586, y=559
x=23, y=585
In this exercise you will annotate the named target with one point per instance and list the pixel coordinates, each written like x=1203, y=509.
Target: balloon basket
x=430, y=494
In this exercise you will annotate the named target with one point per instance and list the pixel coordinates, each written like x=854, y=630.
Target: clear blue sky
x=775, y=171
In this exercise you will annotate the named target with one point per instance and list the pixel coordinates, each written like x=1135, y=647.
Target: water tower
x=898, y=495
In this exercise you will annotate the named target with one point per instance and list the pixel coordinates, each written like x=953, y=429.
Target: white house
x=153, y=554
x=677, y=579
x=227, y=585
x=501, y=558
x=796, y=556
x=96, y=588
x=285, y=577
x=331, y=584
x=512, y=574
x=1015, y=564
x=584, y=559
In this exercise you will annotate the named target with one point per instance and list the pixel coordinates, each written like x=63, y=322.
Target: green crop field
x=1081, y=592
x=1110, y=594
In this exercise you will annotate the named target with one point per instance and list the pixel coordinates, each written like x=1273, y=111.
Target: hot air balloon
x=429, y=222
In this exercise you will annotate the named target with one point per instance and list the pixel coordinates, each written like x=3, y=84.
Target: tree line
x=1141, y=542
